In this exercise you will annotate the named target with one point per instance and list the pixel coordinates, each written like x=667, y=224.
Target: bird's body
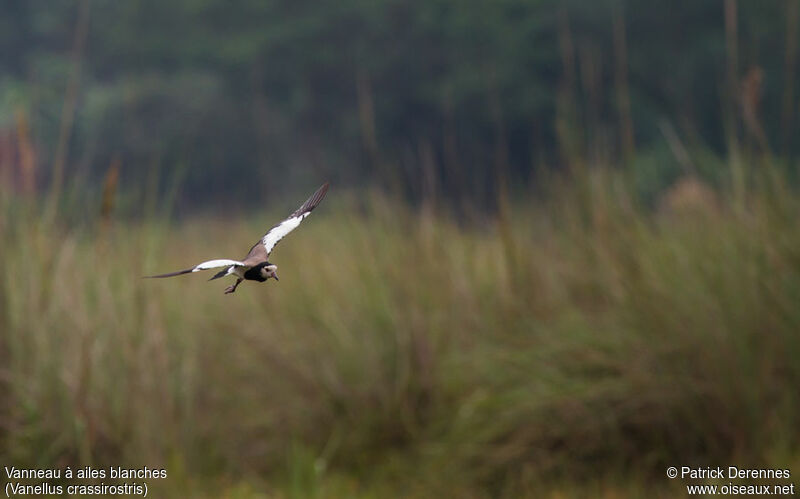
x=255, y=266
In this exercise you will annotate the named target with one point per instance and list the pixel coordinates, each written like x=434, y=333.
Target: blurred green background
x=560, y=251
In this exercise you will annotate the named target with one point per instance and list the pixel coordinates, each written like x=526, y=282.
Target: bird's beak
x=275, y=275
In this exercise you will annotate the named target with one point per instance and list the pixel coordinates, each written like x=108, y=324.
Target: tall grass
x=401, y=353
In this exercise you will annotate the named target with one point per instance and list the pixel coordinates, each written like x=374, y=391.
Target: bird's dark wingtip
x=313, y=201
x=318, y=196
x=221, y=273
x=171, y=274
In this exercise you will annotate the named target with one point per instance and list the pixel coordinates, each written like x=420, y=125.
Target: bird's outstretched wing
x=278, y=232
x=211, y=264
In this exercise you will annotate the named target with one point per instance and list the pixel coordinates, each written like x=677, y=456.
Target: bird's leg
x=232, y=288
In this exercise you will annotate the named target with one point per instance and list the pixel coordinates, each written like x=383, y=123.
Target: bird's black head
x=262, y=272
x=269, y=270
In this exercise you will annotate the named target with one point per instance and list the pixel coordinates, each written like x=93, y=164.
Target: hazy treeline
x=443, y=96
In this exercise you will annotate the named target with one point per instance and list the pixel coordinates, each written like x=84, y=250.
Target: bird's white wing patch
x=213, y=264
x=278, y=232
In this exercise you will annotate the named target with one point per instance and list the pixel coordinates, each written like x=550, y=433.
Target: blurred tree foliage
x=443, y=96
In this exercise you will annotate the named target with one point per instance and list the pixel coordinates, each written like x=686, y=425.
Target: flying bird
x=255, y=267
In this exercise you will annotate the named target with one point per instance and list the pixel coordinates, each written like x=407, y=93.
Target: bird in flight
x=255, y=266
